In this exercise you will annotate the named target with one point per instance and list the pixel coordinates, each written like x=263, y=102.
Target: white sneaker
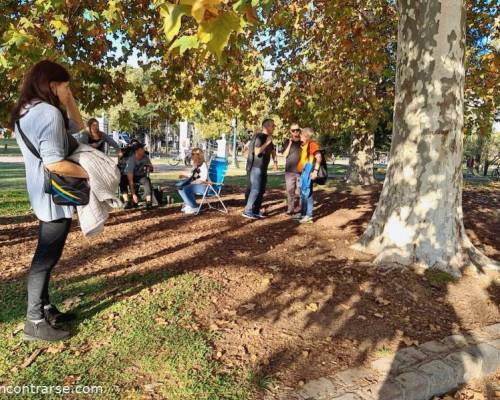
x=190, y=211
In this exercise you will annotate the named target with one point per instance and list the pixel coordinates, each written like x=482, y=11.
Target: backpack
x=323, y=168
x=122, y=161
x=251, y=153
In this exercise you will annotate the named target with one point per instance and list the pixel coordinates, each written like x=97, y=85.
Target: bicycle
x=173, y=159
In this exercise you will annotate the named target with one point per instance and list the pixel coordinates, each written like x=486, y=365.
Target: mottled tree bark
x=419, y=220
x=361, y=161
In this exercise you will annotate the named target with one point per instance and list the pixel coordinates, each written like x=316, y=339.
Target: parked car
x=122, y=138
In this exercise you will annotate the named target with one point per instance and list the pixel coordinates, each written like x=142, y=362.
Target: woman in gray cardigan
x=47, y=113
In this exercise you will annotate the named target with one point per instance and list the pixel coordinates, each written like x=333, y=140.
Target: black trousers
x=51, y=240
x=141, y=180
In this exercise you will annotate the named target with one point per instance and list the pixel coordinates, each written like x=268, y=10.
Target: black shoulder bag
x=65, y=190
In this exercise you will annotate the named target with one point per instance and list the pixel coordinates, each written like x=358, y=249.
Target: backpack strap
x=251, y=149
x=27, y=142
x=309, y=153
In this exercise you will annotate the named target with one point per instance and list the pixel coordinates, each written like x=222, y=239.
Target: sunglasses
x=296, y=130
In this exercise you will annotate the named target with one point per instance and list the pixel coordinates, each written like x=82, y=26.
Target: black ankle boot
x=43, y=331
x=53, y=316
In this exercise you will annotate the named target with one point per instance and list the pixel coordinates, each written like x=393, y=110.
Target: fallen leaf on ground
x=19, y=327
x=265, y=281
x=54, y=349
x=409, y=342
x=71, y=302
x=213, y=327
x=249, y=306
x=150, y=387
x=382, y=301
x=70, y=380
x=32, y=358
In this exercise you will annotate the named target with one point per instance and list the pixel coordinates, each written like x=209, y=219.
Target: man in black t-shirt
x=260, y=152
x=292, y=149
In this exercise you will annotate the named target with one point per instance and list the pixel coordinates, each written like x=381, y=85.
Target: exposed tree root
x=390, y=258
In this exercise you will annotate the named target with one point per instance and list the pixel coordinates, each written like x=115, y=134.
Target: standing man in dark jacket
x=259, y=155
x=292, y=149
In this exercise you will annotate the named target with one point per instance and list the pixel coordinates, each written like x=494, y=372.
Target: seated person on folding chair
x=136, y=171
x=193, y=184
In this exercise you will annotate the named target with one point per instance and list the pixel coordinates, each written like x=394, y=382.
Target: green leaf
x=172, y=15
x=185, y=43
x=215, y=33
x=26, y=23
x=240, y=6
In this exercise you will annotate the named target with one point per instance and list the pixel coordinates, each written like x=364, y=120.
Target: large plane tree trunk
x=419, y=220
x=361, y=162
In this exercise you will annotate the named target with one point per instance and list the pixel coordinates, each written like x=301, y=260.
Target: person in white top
x=193, y=184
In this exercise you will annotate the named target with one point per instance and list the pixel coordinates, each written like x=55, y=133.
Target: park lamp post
x=234, y=125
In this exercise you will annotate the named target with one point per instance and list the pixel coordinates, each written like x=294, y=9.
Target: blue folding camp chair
x=216, y=174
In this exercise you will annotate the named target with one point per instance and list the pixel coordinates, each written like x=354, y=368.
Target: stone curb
x=415, y=373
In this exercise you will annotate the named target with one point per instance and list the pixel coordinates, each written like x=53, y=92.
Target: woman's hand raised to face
x=63, y=92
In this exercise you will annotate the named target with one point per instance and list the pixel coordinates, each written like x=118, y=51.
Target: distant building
x=103, y=124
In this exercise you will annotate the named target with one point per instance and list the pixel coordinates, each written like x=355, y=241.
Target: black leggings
x=51, y=239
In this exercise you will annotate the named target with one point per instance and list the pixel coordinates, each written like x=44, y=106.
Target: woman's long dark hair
x=89, y=126
x=36, y=86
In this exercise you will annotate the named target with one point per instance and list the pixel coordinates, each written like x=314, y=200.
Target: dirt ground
x=485, y=389
x=296, y=303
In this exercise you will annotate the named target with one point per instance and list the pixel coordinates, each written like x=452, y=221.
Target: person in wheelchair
x=194, y=183
x=135, y=172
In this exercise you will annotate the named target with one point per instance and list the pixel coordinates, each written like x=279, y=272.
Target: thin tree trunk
x=419, y=220
x=486, y=167
x=361, y=161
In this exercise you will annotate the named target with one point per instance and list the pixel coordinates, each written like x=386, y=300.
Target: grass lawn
x=134, y=335
x=13, y=196
x=9, y=147
x=14, y=199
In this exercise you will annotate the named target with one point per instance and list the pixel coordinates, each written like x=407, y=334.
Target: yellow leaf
x=201, y=7
x=216, y=31
x=172, y=17
x=59, y=26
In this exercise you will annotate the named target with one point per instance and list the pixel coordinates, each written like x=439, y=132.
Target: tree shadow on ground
x=357, y=309
x=18, y=219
